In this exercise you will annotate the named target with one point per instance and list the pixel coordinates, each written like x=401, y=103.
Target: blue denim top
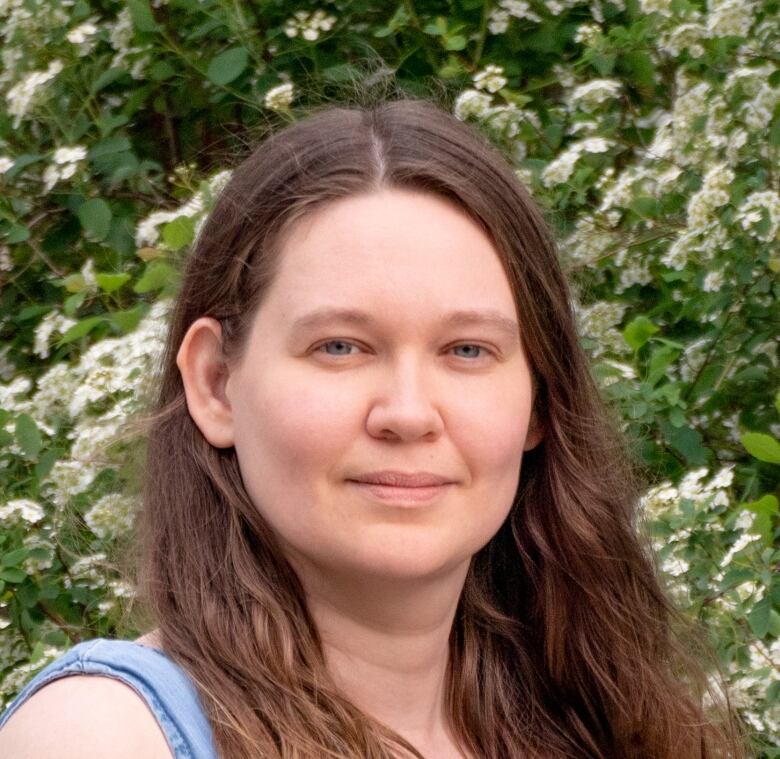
x=164, y=686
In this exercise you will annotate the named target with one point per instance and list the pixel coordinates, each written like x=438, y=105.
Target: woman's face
x=427, y=374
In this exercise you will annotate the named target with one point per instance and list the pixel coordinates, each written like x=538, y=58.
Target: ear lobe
x=204, y=375
x=535, y=433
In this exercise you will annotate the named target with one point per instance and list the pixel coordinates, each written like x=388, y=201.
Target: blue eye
x=471, y=345
x=343, y=346
x=342, y=343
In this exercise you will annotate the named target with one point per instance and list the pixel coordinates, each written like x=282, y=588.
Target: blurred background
x=648, y=131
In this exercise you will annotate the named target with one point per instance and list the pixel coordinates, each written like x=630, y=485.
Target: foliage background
x=649, y=130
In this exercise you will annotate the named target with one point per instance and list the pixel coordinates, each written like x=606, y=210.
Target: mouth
x=400, y=496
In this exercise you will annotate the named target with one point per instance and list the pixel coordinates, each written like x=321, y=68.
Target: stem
x=482, y=33
x=73, y=636
x=416, y=23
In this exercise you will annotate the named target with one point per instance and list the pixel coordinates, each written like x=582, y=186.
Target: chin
x=407, y=563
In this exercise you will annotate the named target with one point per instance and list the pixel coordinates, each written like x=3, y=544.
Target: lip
x=402, y=497
x=404, y=480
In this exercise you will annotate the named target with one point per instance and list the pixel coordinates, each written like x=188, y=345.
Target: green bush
x=649, y=131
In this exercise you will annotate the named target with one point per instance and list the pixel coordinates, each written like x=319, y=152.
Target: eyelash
x=317, y=348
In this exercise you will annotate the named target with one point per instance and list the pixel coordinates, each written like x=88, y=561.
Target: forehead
x=401, y=249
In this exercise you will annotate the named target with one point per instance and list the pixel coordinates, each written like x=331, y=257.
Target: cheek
x=491, y=430
x=288, y=433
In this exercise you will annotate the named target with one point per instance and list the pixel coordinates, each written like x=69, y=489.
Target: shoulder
x=83, y=716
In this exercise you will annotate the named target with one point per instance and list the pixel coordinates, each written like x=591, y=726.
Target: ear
x=204, y=374
x=535, y=433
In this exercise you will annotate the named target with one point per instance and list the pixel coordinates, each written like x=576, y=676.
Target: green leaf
x=141, y=14
x=81, y=328
x=762, y=447
x=160, y=71
x=436, y=28
x=642, y=67
x=74, y=283
x=179, y=232
x=759, y=617
x=128, y=320
x=639, y=331
x=228, y=65
x=767, y=504
x=686, y=441
x=15, y=558
x=455, y=42
x=12, y=574
x=95, y=217
x=17, y=233
x=107, y=77
x=777, y=401
x=110, y=282
x=73, y=303
x=28, y=436
x=109, y=146
x=21, y=163
x=603, y=63
x=646, y=207
x=46, y=462
x=157, y=275
x=774, y=133
x=660, y=358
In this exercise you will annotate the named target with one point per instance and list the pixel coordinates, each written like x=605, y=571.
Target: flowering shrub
x=648, y=130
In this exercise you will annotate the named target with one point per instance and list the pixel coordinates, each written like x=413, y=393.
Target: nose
x=403, y=406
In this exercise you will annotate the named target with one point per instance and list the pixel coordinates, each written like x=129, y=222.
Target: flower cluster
x=498, y=21
x=65, y=163
x=280, y=97
x=309, y=24
x=491, y=78
x=23, y=95
x=559, y=170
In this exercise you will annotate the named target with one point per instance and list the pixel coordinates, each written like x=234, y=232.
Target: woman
x=386, y=513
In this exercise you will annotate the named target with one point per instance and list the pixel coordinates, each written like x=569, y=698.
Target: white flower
x=713, y=281
x=730, y=18
x=675, y=566
x=752, y=211
x=491, y=78
x=684, y=36
x=65, y=164
x=471, y=103
x=53, y=322
x=742, y=542
x=664, y=7
x=498, y=21
x=81, y=33
x=309, y=24
x=24, y=94
x=70, y=154
x=590, y=95
x=111, y=515
x=88, y=272
x=519, y=9
x=561, y=168
x=587, y=34
x=745, y=520
x=22, y=508
x=67, y=479
x=279, y=98
x=713, y=194
x=595, y=145
x=5, y=163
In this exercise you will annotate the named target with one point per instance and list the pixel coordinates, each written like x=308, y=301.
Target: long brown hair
x=563, y=642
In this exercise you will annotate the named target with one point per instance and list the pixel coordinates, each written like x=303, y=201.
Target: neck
x=386, y=645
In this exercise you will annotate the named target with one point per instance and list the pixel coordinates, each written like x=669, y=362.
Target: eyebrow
x=464, y=317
